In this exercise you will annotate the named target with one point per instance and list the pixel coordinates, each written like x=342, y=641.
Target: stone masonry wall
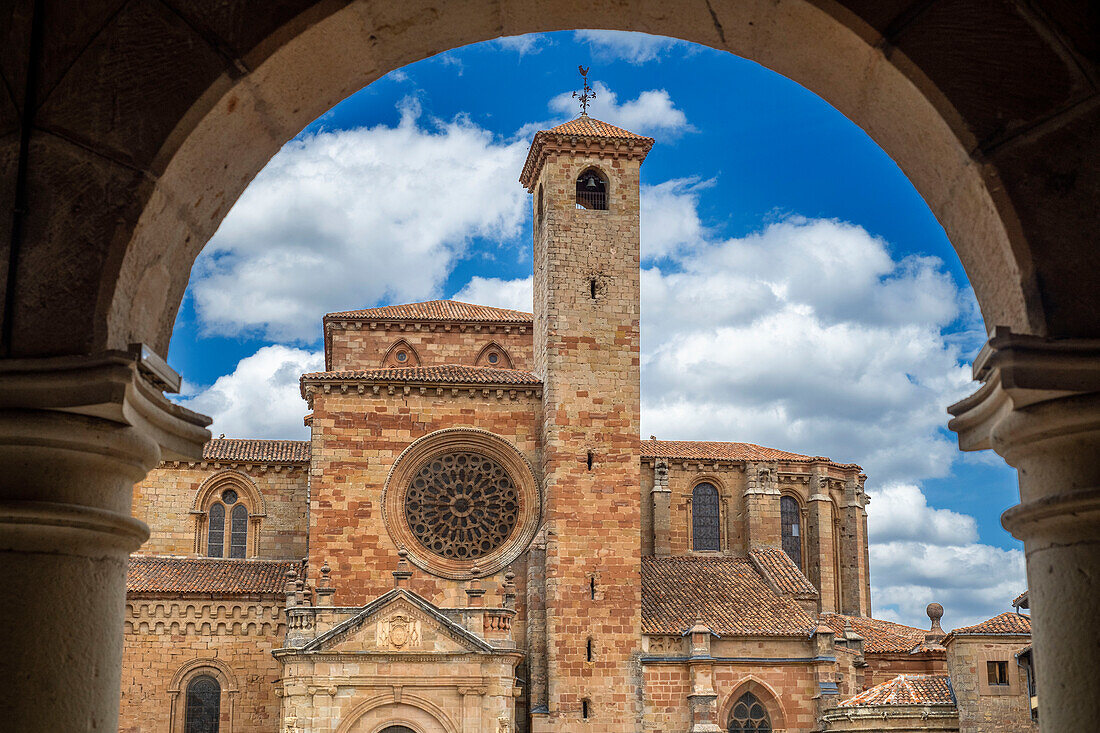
x=356, y=439
x=587, y=350
x=982, y=708
x=365, y=347
x=163, y=500
x=163, y=636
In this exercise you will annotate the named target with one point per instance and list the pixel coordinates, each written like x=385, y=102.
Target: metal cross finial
x=587, y=95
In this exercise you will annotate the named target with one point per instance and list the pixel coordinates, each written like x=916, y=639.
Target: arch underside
x=999, y=141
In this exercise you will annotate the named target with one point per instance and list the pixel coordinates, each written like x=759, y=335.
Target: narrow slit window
x=590, y=458
x=588, y=650
x=585, y=709
x=215, y=538
x=592, y=288
x=592, y=587
x=238, y=533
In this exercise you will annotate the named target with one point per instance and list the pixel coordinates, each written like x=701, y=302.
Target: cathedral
x=474, y=538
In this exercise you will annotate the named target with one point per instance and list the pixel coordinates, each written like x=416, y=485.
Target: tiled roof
x=1005, y=623
x=1021, y=601
x=206, y=575
x=585, y=126
x=445, y=373
x=882, y=637
x=436, y=310
x=779, y=566
x=244, y=450
x=906, y=689
x=708, y=450
x=725, y=593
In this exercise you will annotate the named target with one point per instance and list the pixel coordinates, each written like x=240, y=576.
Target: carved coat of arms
x=399, y=631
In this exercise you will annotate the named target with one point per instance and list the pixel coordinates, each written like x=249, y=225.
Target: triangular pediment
x=399, y=622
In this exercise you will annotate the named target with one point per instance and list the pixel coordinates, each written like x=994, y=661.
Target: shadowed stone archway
x=129, y=127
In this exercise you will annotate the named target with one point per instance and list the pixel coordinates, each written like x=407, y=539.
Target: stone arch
x=596, y=175
x=377, y=713
x=250, y=497
x=764, y=693
x=399, y=346
x=191, y=669
x=482, y=359
x=232, y=129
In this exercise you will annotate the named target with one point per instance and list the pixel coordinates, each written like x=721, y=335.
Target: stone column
x=662, y=509
x=820, y=546
x=1039, y=408
x=471, y=709
x=762, y=506
x=702, y=700
x=76, y=433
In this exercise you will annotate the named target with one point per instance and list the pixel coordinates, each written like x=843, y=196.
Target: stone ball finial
x=402, y=553
x=509, y=576
x=475, y=571
x=935, y=612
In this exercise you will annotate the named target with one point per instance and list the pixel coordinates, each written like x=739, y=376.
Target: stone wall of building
x=165, y=499
x=355, y=441
x=169, y=641
x=359, y=346
x=730, y=482
x=985, y=708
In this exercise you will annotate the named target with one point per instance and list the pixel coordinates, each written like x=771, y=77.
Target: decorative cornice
x=548, y=143
x=390, y=387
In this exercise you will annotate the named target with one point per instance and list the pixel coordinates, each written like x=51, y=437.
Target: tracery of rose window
x=461, y=505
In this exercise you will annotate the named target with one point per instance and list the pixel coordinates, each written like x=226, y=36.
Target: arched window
x=397, y=729
x=215, y=541
x=592, y=190
x=227, y=536
x=790, y=518
x=749, y=716
x=204, y=698
x=705, y=530
x=238, y=532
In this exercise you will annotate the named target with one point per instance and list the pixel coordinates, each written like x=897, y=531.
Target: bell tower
x=584, y=175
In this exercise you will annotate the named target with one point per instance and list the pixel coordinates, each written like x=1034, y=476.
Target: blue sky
x=797, y=290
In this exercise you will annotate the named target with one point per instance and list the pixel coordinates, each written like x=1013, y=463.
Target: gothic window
x=592, y=190
x=215, y=543
x=203, y=705
x=227, y=519
x=705, y=530
x=749, y=716
x=790, y=517
x=238, y=532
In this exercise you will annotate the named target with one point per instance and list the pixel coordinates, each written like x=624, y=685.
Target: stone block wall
x=984, y=708
x=164, y=500
x=364, y=345
x=730, y=482
x=355, y=441
x=168, y=641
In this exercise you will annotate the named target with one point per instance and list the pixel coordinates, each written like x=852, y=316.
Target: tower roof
x=582, y=135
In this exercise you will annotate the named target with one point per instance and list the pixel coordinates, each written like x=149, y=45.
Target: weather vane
x=588, y=94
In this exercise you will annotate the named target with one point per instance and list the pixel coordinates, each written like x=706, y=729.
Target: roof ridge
x=436, y=310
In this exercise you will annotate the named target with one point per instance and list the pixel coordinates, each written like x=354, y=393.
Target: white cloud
x=351, y=218
x=900, y=512
x=972, y=582
x=260, y=398
x=636, y=48
x=493, y=291
x=532, y=43
x=651, y=112
x=670, y=217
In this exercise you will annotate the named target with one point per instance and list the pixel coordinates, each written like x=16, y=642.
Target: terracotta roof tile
x=1021, y=601
x=436, y=310
x=245, y=450
x=708, y=450
x=585, y=126
x=780, y=568
x=906, y=689
x=206, y=575
x=882, y=637
x=725, y=593
x=1005, y=623
x=445, y=373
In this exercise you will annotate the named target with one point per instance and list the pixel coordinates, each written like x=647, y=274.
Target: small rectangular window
x=998, y=672
x=584, y=709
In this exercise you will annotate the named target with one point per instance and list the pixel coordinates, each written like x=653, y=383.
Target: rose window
x=462, y=505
